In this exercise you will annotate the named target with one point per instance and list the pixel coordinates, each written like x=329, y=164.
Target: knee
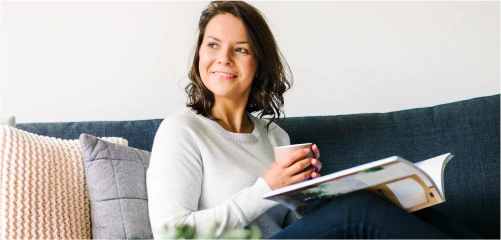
x=362, y=208
x=364, y=198
x=361, y=201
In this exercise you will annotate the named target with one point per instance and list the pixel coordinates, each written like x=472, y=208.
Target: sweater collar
x=239, y=137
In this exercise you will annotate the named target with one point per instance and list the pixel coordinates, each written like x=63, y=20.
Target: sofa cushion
x=116, y=177
x=9, y=121
x=42, y=187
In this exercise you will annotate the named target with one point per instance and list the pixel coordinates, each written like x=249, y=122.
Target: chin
x=220, y=89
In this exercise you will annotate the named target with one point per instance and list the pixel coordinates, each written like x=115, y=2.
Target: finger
x=302, y=176
x=298, y=166
x=317, y=164
x=294, y=156
x=316, y=151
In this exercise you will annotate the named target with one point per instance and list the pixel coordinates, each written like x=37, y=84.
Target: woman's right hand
x=285, y=172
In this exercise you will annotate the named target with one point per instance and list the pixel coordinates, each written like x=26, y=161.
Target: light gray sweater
x=200, y=173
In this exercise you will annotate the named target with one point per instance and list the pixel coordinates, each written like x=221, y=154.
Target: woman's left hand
x=315, y=162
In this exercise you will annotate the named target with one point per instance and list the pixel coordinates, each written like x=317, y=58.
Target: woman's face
x=227, y=64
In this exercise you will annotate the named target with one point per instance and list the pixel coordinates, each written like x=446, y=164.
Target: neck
x=232, y=116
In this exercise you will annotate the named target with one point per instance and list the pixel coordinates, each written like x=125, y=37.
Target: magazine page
x=434, y=167
x=331, y=176
x=396, y=179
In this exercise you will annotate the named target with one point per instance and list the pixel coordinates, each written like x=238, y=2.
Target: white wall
x=85, y=61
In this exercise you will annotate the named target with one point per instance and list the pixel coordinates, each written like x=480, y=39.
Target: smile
x=224, y=75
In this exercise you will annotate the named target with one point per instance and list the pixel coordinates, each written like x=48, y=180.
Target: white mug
x=282, y=151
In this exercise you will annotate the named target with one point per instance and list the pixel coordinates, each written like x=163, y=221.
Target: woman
x=213, y=161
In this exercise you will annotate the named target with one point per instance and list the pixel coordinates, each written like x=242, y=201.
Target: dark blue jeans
x=366, y=215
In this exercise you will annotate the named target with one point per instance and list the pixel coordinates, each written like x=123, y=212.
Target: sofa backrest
x=468, y=129
x=139, y=134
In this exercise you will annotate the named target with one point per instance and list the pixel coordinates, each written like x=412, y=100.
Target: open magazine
x=407, y=185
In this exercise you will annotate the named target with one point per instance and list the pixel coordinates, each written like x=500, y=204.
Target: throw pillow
x=116, y=176
x=42, y=187
x=9, y=121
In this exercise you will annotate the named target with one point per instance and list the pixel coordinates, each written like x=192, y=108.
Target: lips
x=224, y=75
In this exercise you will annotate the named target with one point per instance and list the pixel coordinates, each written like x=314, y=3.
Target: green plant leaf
x=183, y=231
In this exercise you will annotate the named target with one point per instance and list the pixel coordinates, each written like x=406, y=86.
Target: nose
x=225, y=58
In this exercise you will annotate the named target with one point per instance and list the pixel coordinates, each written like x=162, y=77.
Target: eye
x=212, y=45
x=242, y=50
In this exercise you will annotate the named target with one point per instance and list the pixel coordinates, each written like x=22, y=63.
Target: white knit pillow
x=42, y=187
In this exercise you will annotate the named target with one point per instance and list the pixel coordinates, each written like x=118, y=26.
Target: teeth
x=223, y=74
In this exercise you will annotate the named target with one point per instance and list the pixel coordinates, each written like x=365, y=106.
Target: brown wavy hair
x=274, y=76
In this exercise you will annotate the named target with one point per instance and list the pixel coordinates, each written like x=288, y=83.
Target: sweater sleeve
x=174, y=183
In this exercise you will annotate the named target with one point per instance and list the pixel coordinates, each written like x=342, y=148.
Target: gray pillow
x=116, y=178
x=9, y=121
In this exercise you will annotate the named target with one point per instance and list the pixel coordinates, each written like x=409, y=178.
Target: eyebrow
x=220, y=40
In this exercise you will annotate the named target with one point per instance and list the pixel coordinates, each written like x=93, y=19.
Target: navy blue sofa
x=469, y=129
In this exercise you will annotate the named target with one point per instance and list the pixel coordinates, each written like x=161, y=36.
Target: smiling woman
x=234, y=39
x=214, y=160
x=226, y=65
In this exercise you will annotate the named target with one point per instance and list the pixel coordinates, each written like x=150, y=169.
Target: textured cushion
x=42, y=187
x=9, y=121
x=116, y=176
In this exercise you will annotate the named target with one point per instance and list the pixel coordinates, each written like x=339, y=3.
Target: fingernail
x=307, y=150
x=314, y=174
x=314, y=161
